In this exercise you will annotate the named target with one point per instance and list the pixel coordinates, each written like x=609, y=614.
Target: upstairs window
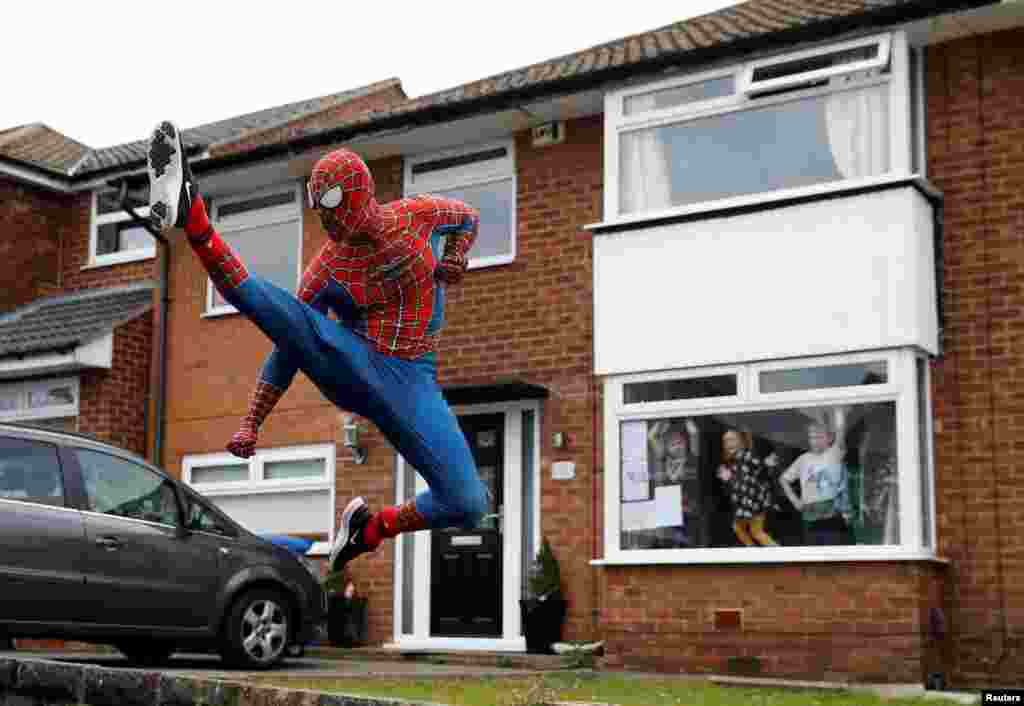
x=265, y=229
x=114, y=237
x=482, y=176
x=769, y=128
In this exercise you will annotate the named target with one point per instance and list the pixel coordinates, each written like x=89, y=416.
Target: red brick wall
x=31, y=222
x=75, y=254
x=858, y=621
x=113, y=402
x=975, y=92
x=532, y=320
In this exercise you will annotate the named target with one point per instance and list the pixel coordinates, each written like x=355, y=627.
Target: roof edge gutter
x=33, y=174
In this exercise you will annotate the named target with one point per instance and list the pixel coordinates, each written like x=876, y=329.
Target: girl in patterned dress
x=750, y=490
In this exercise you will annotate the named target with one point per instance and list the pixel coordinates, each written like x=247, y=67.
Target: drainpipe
x=165, y=257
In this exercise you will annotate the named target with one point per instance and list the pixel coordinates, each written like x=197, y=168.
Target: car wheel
x=257, y=629
x=146, y=653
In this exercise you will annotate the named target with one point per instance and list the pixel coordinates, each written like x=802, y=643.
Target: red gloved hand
x=451, y=269
x=243, y=442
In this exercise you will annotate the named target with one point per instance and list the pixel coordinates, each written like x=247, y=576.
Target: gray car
x=97, y=545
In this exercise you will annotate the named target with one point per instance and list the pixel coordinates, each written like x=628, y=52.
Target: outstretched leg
x=416, y=419
x=295, y=328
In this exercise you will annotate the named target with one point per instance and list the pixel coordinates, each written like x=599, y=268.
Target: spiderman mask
x=341, y=189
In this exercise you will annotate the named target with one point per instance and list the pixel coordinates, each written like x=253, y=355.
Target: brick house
x=788, y=227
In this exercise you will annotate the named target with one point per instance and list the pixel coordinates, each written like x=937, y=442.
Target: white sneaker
x=171, y=185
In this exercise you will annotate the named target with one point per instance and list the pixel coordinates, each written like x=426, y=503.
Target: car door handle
x=109, y=542
x=224, y=551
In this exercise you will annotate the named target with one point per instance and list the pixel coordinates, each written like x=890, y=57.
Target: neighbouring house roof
x=45, y=148
x=732, y=31
x=63, y=322
x=234, y=128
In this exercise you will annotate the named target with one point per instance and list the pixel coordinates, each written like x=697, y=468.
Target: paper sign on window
x=636, y=479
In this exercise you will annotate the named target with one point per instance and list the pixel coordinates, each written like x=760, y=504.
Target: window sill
x=753, y=203
x=495, y=261
x=119, y=259
x=218, y=313
x=767, y=555
x=246, y=488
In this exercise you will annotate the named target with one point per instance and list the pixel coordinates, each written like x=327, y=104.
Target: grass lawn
x=621, y=690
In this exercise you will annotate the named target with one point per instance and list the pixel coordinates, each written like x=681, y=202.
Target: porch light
x=350, y=439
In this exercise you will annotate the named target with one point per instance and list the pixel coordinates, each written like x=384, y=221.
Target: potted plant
x=543, y=610
x=347, y=619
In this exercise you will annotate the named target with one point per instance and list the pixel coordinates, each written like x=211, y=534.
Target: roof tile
x=66, y=321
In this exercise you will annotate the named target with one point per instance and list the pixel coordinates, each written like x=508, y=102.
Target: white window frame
x=22, y=391
x=748, y=87
x=255, y=481
x=115, y=258
x=893, y=45
x=264, y=217
x=477, y=174
x=900, y=388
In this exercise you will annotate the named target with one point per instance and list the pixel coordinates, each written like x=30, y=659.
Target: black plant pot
x=542, y=623
x=347, y=621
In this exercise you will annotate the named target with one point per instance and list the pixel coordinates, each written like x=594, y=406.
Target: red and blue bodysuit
x=383, y=272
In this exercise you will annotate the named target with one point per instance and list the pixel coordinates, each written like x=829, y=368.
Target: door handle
x=109, y=542
x=224, y=551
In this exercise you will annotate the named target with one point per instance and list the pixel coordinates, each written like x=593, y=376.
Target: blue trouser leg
x=400, y=396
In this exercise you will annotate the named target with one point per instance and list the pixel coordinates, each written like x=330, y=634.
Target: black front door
x=465, y=584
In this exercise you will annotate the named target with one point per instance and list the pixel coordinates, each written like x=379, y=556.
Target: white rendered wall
x=845, y=274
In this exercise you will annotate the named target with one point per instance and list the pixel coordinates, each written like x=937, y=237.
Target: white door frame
x=511, y=639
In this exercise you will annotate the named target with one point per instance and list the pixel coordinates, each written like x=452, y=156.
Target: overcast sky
x=104, y=72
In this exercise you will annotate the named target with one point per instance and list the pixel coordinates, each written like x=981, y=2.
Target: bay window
x=815, y=119
x=814, y=459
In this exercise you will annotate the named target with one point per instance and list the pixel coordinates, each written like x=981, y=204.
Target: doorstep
x=513, y=660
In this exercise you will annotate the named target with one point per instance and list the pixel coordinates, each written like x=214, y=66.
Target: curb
x=31, y=681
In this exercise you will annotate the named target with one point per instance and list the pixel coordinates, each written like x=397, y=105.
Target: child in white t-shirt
x=824, y=497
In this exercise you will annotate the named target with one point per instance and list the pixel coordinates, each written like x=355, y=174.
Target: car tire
x=257, y=630
x=147, y=653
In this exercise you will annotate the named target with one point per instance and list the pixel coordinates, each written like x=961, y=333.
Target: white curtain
x=858, y=131
x=644, y=175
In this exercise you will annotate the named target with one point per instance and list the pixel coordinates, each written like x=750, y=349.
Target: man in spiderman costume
x=383, y=272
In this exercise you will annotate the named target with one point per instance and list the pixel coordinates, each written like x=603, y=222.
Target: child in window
x=749, y=490
x=675, y=450
x=824, y=496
